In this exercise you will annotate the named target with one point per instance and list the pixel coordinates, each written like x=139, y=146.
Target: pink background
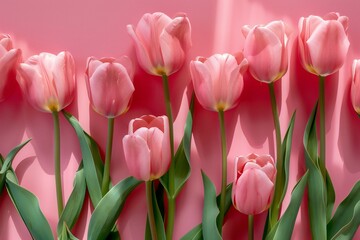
x=98, y=28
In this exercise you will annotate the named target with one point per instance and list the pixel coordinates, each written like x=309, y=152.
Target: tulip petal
x=137, y=156
x=328, y=46
x=154, y=141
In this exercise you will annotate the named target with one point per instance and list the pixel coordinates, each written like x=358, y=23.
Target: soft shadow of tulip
x=349, y=132
x=255, y=112
x=23, y=166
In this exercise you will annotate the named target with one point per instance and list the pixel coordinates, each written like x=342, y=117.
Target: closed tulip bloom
x=147, y=147
x=109, y=84
x=253, y=186
x=355, y=85
x=323, y=43
x=48, y=81
x=218, y=80
x=9, y=59
x=161, y=43
x=265, y=49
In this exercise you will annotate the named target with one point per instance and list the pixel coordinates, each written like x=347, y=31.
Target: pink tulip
x=323, y=43
x=253, y=186
x=355, y=85
x=9, y=59
x=265, y=49
x=48, y=81
x=161, y=43
x=147, y=147
x=218, y=80
x=109, y=84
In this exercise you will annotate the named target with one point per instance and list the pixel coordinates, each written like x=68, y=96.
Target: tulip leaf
x=27, y=206
x=74, y=204
x=284, y=227
x=159, y=222
x=316, y=187
x=210, y=211
x=181, y=158
x=90, y=171
x=10, y=157
x=282, y=177
x=346, y=219
x=65, y=233
x=2, y=176
x=330, y=197
x=107, y=211
x=196, y=232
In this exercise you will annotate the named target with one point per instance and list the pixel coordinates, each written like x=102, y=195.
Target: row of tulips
x=161, y=44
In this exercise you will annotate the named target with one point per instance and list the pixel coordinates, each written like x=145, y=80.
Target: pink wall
x=98, y=28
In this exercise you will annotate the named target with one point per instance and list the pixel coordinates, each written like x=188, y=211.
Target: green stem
x=59, y=197
x=109, y=142
x=322, y=125
x=224, y=170
x=275, y=209
x=250, y=227
x=149, y=190
x=171, y=196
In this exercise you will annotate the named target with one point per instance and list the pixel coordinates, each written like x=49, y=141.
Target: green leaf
x=2, y=176
x=65, y=233
x=330, y=197
x=316, y=186
x=282, y=177
x=181, y=159
x=210, y=211
x=109, y=208
x=159, y=222
x=284, y=227
x=90, y=170
x=74, y=204
x=27, y=205
x=10, y=157
x=196, y=232
x=286, y=153
x=346, y=219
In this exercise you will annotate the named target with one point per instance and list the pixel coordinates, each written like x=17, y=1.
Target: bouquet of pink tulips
x=153, y=155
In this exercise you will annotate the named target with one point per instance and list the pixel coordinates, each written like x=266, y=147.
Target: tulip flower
x=161, y=43
x=110, y=88
x=265, y=49
x=323, y=43
x=355, y=85
x=218, y=83
x=253, y=186
x=147, y=147
x=218, y=80
x=9, y=59
x=147, y=154
x=48, y=83
x=109, y=85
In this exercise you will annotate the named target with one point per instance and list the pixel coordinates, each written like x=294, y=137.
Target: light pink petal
x=263, y=49
x=172, y=54
x=355, y=85
x=253, y=192
x=180, y=28
x=92, y=65
x=64, y=78
x=127, y=63
x=137, y=157
x=328, y=46
x=278, y=28
x=245, y=30
x=154, y=140
x=202, y=81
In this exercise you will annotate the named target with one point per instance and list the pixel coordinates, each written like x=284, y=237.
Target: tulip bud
x=253, y=186
x=147, y=147
x=9, y=59
x=109, y=85
x=48, y=81
x=265, y=49
x=218, y=80
x=323, y=43
x=161, y=43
